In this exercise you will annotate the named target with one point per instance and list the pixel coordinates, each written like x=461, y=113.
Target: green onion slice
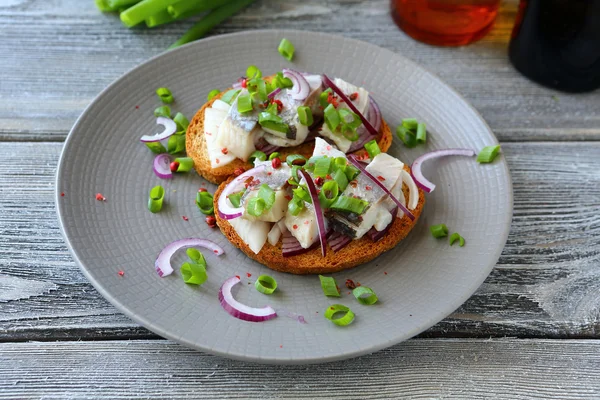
x=267, y=194
x=195, y=255
x=421, y=133
x=244, y=103
x=339, y=163
x=439, y=231
x=372, y=148
x=295, y=159
x=255, y=206
x=181, y=121
x=286, y=49
x=163, y=111
x=156, y=147
x=365, y=295
x=258, y=88
x=456, y=236
x=272, y=109
x=324, y=98
x=295, y=175
x=349, y=205
x=194, y=274
x=351, y=172
x=340, y=178
x=156, y=197
x=204, y=201
x=332, y=117
x=176, y=144
x=165, y=95
x=408, y=138
x=329, y=192
x=344, y=319
x=410, y=123
x=230, y=96
x=302, y=193
x=273, y=155
x=257, y=155
x=283, y=82
x=295, y=206
x=253, y=72
x=235, y=199
x=305, y=116
x=488, y=154
x=212, y=94
x=265, y=284
x=185, y=164
x=350, y=119
x=322, y=165
x=273, y=122
x=329, y=286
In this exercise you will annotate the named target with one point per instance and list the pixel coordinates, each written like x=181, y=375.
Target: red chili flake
x=238, y=171
x=318, y=181
x=202, y=190
x=368, y=187
x=357, y=283
x=385, y=272
x=276, y=162
x=185, y=218
x=295, y=227
x=332, y=99
x=353, y=96
x=224, y=150
x=248, y=274
x=174, y=165
x=350, y=284
x=269, y=173
x=217, y=161
x=288, y=197
x=62, y=194
x=137, y=107
x=279, y=105
x=121, y=273
x=211, y=221
x=209, y=134
x=99, y=197
x=380, y=178
x=244, y=83
x=328, y=176
x=237, y=276
x=306, y=222
x=353, y=184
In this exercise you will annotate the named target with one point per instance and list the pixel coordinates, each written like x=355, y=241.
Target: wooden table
x=531, y=331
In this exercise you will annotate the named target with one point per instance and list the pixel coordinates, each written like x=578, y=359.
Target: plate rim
x=282, y=361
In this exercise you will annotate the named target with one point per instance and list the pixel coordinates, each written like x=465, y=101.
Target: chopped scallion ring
x=329, y=193
x=273, y=155
x=305, y=116
x=230, y=96
x=322, y=165
x=176, y=144
x=255, y=206
x=156, y=147
x=204, y=201
x=265, y=284
x=408, y=138
x=295, y=159
x=332, y=117
x=182, y=122
x=488, y=154
x=456, y=236
x=295, y=206
x=235, y=199
x=195, y=255
x=194, y=274
x=286, y=49
x=421, y=133
x=268, y=195
x=185, y=164
x=253, y=72
x=257, y=155
x=329, y=286
x=244, y=103
x=349, y=204
x=163, y=111
x=439, y=231
x=335, y=309
x=212, y=94
x=365, y=295
x=340, y=177
x=410, y=123
x=165, y=95
x=155, y=200
x=372, y=148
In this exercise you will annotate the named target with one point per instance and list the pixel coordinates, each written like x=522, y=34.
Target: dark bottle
x=557, y=43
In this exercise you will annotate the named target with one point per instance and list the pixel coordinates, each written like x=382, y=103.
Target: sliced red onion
x=357, y=164
x=239, y=310
x=421, y=181
x=291, y=246
x=314, y=195
x=374, y=117
x=162, y=166
x=266, y=147
x=301, y=88
x=226, y=211
x=163, y=261
x=274, y=93
x=338, y=241
x=376, y=235
x=349, y=103
x=169, y=128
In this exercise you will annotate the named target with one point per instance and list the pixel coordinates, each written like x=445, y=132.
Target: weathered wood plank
x=546, y=284
x=422, y=368
x=83, y=51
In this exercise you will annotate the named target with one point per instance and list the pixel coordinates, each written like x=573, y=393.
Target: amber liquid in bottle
x=445, y=22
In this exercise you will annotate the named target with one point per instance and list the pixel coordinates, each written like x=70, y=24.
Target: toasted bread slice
x=196, y=148
x=355, y=253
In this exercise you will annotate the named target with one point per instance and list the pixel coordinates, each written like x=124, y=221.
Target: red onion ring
x=314, y=195
x=349, y=103
x=357, y=164
x=274, y=93
x=291, y=246
x=163, y=261
x=225, y=210
x=170, y=128
x=374, y=117
x=239, y=310
x=338, y=241
x=415, y=168
x=301, y=88
x=376, y=235
x=162, y=166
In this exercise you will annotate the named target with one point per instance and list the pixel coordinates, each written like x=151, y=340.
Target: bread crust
x=196, y=148
x=355, y=253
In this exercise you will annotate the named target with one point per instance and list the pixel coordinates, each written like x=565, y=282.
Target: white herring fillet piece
x=253, y=233
x=212, y=120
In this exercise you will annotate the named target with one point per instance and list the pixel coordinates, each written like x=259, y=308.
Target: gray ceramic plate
x=419, y=283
